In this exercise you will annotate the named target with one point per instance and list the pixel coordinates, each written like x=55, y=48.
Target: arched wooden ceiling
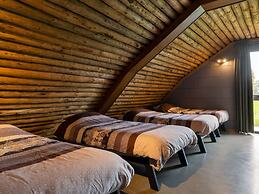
x=213, y=31
x=60, y=57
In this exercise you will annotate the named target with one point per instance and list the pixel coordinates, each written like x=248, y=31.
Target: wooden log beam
x=205, y=36
x=46, y=105
x=254, y=7
x=202, y=25
x=220, y=12
x=140, y=10
x=240, y=16
x=162, y=5
x=155, y=47
x=148, y=5
x=214, y=27
x=221, y=25
x=182, y=50
x=176, y=5
x=232, y=18
x=219, y=3
x=248, y=18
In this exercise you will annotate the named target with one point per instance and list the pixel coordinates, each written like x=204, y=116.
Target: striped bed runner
x=165, y=118
x=156, y=141
x=104, y=132
x=22, y=150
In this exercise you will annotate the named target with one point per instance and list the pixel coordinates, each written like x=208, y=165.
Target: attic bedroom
x=129, y=96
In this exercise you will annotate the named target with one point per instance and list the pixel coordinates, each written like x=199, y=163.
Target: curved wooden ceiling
x=60, y=57
x=210, y=33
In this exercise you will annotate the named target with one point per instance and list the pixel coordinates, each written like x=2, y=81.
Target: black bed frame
x=214, y=134
x=201, y=144
x=150, y=172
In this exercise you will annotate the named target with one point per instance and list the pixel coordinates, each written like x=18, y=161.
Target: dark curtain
x=244, y=91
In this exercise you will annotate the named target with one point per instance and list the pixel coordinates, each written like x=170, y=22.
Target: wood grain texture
x=214, y=30
x=61, y=57
x=163, y=40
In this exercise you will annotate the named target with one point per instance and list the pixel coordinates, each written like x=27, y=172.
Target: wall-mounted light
x=221, y=61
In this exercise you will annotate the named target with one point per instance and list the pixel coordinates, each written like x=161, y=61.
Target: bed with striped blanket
x=222, y=115
x=33, y=164
x=156, y=142
x=203, y=125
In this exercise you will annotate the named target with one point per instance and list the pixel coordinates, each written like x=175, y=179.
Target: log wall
x=59, y=57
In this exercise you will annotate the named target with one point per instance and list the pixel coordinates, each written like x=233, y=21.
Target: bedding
x=157, y=142
x=200, y=124
x=33, y=164
x=222, y=115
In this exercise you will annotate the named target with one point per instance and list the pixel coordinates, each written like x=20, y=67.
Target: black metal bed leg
x=217, y=132
x=222, y=127
x=152, y=178
x=182, y=157
x=201, y=144
x=213, y=137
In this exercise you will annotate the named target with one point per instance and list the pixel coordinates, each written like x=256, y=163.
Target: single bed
x=222, y=115
x=202, y=125
x=34, y=164
x=151, y=144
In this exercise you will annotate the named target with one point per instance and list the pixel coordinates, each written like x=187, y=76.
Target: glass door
x=254, y=57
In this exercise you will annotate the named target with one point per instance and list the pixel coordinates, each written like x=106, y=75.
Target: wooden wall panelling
x=215, y=28
x=115, y=15
x=232, y=18
x=220, y=12
x=157, y=46
x=206, y=36
x=238, y=13
x=155, y=11
x=254, y=9
x=56, y=59
x=99, y=18
x=219, y=3
x=220, y=24
x=248, y=18
x=205, y=27
x=60, y=57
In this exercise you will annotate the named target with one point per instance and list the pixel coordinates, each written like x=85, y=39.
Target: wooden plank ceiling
x=60, y=57
x=213, y=31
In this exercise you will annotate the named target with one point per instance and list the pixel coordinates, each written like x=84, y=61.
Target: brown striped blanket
x=222, y=115
x=33, y=164
x=200, y=124
x=157, y=142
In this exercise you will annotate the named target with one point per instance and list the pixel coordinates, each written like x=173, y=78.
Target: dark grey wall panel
x=210, y=86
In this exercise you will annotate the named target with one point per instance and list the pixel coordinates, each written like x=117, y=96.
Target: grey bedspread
x=33, y=164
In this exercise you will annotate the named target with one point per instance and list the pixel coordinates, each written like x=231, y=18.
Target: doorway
x=254, y=58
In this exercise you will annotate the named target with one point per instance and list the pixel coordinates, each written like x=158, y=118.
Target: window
x=254, y=57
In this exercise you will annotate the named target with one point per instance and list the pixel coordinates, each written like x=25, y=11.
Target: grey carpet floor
x=230, y=166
